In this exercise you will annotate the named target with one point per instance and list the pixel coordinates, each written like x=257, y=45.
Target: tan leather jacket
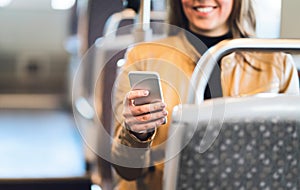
x=175, y=59
x=247, y=73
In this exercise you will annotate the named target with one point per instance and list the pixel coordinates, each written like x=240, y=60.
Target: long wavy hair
x=242, y=21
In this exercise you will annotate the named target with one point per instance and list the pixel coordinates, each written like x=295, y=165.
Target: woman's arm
x=131, y=147
x=122, y=154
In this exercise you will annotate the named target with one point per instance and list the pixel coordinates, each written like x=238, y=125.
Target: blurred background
x=42, y=43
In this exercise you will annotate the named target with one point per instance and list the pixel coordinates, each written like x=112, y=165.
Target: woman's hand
x=143, y=118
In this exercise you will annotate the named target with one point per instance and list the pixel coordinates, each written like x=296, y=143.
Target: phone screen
x=144, y=80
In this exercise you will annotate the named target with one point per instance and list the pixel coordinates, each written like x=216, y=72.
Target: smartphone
x=146, y=80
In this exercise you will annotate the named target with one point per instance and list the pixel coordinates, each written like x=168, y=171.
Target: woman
x=137, y=154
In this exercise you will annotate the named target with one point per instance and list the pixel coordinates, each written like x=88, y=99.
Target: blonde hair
x=241, y=22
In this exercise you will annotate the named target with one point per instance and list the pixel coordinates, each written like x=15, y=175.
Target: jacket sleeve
x=290, y=80
x=130, y=156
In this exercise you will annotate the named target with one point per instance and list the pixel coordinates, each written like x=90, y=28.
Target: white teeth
x=205, y=10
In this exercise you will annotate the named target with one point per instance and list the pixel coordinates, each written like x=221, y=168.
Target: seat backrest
x=235, y=143
x=128, y=17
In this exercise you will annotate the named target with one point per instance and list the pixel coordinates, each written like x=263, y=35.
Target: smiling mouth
x=204, y=9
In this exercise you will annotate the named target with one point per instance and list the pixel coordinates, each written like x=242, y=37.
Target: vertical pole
x=143, y=32
x=145, y=8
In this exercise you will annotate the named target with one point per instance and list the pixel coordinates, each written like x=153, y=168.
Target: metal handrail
x=211, y=57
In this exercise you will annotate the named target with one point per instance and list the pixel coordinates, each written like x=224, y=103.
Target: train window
x=32, y=56
x=268, y=18
x=289, y=19
x=158, y=5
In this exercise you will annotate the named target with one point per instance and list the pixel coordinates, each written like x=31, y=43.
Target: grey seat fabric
x=235, y=143
x=247, y=154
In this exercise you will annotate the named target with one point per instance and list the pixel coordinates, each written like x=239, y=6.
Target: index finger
x=137, y=94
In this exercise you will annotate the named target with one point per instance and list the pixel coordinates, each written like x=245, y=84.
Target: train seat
x=235, y=143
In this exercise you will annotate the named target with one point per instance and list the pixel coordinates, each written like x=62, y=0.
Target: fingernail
x=146, y=93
